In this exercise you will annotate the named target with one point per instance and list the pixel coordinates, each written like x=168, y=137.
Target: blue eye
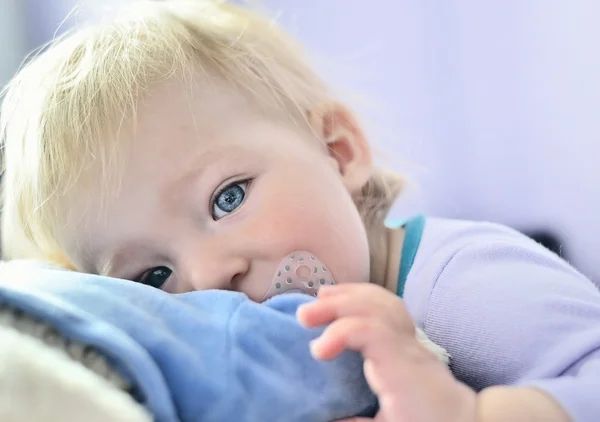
x=228, y=199
x=156, y=277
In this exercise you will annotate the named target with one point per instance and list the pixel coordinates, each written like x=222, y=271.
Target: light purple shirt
x=509, y=312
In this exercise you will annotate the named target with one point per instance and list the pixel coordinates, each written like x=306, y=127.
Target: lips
x=299, y=272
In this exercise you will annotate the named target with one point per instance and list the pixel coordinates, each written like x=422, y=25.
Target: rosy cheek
x=290, y=229
x=285, y=218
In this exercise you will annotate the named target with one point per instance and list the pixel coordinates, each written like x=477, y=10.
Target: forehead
x=178, y=107
x=182, y=126
x=207, y=114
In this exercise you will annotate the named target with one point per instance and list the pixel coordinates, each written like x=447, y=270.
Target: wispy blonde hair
x=64, y=108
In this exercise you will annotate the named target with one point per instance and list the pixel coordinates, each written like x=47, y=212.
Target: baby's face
x=213, y=196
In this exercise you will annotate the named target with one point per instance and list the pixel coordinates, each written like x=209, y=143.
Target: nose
x=211, y=266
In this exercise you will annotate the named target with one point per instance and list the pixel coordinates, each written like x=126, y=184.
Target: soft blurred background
x=491, y=108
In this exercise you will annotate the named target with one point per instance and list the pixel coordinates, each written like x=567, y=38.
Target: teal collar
x=413, y=231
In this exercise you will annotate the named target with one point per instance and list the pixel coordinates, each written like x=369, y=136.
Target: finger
x=355, y=420
x=391, y=361
x=333, y=307
x=365, y=289
x=363, y=294
x=373, y=376
x=353, y=302
x=315, y=314
x=327, y=291
x=354, y=288
x=372, y=337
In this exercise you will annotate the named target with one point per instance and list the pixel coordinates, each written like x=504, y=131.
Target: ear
x=347, y=146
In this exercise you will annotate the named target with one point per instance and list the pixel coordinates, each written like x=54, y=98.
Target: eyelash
x=143, y=278
x=220, y=191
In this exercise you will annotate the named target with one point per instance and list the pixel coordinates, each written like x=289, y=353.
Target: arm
x=500, y=404
x=514, y=315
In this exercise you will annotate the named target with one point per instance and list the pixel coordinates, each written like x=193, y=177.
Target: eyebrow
x=198, y=165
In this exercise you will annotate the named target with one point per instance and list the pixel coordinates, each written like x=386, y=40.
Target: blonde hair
x=64, y=108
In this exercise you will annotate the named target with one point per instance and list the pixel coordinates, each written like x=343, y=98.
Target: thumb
x=356, y=420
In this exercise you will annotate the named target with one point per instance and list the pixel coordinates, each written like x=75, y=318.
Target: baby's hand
x=410, y=382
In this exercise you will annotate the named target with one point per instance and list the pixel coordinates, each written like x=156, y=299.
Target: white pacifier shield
x=299, y=272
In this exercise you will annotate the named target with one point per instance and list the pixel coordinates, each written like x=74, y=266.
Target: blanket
x=199, y=356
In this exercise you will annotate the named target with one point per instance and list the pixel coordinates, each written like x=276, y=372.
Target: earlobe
x=337, y=127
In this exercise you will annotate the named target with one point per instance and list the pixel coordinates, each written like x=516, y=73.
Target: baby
x=189, y=146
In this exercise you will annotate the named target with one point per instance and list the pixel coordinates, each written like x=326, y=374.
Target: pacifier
x=299, y=272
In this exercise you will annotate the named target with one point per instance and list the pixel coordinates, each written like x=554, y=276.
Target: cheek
x=314, y=215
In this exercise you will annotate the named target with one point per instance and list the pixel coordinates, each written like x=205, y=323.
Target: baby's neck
x=385, y=265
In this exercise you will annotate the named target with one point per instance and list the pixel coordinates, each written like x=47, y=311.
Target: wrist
x=518, y=404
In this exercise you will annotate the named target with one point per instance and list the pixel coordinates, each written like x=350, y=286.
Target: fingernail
x=300, y=315
x=324, y=290
x=315, y=348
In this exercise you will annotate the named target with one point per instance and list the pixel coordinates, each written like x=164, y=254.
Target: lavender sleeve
x=510, y=313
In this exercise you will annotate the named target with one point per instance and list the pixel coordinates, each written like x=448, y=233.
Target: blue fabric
x=200, y=356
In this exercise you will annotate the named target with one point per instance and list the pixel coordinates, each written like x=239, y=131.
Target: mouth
x=299, y=272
